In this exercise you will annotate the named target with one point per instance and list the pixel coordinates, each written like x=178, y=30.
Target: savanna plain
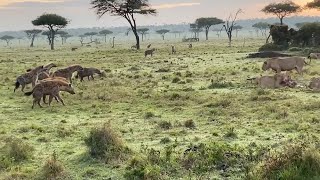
x=191, y=115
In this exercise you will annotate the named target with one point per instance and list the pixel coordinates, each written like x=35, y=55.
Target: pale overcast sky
x=18, y=14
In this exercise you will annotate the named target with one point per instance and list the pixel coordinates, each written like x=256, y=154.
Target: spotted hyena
x=67, y=72
x=51, y=88
x=149, y=52
x=27, y=78
x=87, y=72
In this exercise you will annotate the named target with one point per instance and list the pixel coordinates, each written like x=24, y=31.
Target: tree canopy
x=105, y=33
x=315, y=4
x=53, y=22
x=126, y=9
x=142, y=31
x=7, y=39
x=31, y=34
x=207, y=22
x=282, y=9
x=162, y=32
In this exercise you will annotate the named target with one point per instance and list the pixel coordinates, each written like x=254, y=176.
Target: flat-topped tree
x=206, y=23
x=53, y=22
x=48, y=35
x=91, y=34
x=163, y=32
x=143, y=32
x=7, y=39
x=126, y=9
x=282, y=9
x=315, y=4
x=262, y=26
x=194, y=28
x=105, y=33
x=32, y=34
x=237, y=28
x=175, y=33
x=64, y=35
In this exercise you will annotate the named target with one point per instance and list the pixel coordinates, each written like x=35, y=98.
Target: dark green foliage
x=294, y=49
x=149, y=115
x=308, y=35
x=314, y=4
x=231, y=133
x=162, y=32
x=219, y=84
x=7, y=39
x=104, y=143
x=280, y=35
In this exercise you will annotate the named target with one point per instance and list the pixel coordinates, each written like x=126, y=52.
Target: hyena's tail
x=28, y=93
x=17, y=85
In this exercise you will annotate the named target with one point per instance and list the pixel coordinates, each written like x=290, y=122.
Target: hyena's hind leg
x=60, y=99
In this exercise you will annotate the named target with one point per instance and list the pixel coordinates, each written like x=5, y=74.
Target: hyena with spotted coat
x=51, y=88
x=88, y=72
x=67, y=72
x=27, y=78
x=149, y=52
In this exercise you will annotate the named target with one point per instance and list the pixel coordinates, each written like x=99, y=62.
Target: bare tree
x=229, y=25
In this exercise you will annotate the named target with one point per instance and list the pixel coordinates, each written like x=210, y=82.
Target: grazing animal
x=27, y=78
x=314, y=56
x=173, y=50
x=51, y=88
x=284, y=64
x=190, y=46
x=149, y=46
x=276, y=81
x=88, y=72
x=67, y=72
x=314, y=84
x=149, y=52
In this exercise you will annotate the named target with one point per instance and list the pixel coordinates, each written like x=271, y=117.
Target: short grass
x=148, y=102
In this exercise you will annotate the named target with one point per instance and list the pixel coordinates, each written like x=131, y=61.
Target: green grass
x=148, y=101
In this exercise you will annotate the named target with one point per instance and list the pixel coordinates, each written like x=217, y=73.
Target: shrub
x=17, y=150
x=230, y=133
x=165, y=125
x=53, y=169
x=189, y=124
x=165, y=140
x=272, y=47
x=176, y=80
x=149, y=115
x=295, y=162
x=105, y=143
x=219, y=84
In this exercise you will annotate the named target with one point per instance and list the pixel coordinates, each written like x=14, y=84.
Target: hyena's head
x=69, y=88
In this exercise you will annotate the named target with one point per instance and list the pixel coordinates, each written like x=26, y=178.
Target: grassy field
x=199, y=95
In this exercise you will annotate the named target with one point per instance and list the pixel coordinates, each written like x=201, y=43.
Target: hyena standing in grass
x=51, y=88
x=149, y=52
x=44, y=74
x=27, y=78
x=173, y=50
x=67, y=72
x=88, y=72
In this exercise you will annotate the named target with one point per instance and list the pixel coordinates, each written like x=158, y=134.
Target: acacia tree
x=126, y=9
x=32, y=34
x=163, y=32
x=262, y=26
x=315, y=4
x=194, y=28
x=7, y=39
x=237, y=28
x=175, y=33
x=229, y=25
x=282, y=10
x=105, y=33
x=91, y=34
x=48, y=35
x=143, y=32
x=64, y=36
x=53, y=22
x=206, y=23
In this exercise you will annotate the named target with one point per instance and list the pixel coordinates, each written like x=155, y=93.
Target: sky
x=18, y=14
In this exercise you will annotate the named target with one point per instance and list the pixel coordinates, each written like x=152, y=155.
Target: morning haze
x=159, y=90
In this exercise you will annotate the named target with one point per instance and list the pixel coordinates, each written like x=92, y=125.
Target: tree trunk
x=113, y=42
x=281, y=20
x=163, y=37
x=137, y=38
x=230, y=38
x=207, y=33
x=52, y=39
x=105, y=38
x=7, y=42
x=32, y=40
